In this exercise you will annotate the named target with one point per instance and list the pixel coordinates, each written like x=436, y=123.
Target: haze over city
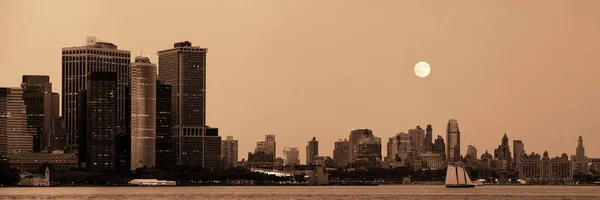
x=319, y=69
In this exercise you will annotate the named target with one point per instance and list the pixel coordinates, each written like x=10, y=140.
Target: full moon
x=422, y=69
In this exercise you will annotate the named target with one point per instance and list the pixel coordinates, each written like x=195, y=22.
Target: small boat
x=457, y=177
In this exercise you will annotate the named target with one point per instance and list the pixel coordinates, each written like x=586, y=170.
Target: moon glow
x=422, y=69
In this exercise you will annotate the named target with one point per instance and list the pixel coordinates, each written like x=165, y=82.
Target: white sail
x=451, y=175
x=469, y=182
x=461, y=175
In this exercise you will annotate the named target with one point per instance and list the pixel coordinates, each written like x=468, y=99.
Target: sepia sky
x=299, y=69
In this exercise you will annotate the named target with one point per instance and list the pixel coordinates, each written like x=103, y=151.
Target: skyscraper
x=77, y=63
x=229, y=152
x=417, y=137
x=312, y=150
x=98, y=121
x=406, y=149
x=271, y=145
x=143, y=113
x=453, y=137
x=57, y=138
x=165, y=145
x=183, y=67
x=471, y=156
x=503, y=152
x=580, y=160
x=291, y=156
x=518, y=152
x=37, y=94
x=355, y=136
x=13, y=122
x=341, y=152
x=440, y=147
x=427, y=141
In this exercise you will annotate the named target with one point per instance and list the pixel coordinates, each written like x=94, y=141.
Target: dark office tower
x=165, y=149
x=184, y=68
x=77, y=63
x=312, y=150
x=143, y=113
x=57, y=138
x=440, y=147
x=98, y=121
x=416, y=137
x=37, y=94
x=453, y=137
x=13, y=123
x=427, y=145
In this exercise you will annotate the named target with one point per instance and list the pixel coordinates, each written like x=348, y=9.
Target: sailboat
x=457, y=177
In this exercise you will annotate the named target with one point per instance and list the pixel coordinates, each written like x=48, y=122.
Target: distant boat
x=457, y=177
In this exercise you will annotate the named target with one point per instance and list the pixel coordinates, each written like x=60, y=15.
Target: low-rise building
x=28, y=179
x=535, y=169
x=33, y=161
x=433, y=161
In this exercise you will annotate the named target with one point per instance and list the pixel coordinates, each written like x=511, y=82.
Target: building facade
x=518, y=152
x=165, y=144
x=77, y=64
x=33, y=161
x=427, y=141
x=440, y=147
x=183, y=67
x=98, y=122
x=312, y=150
x=14, y=137
x=503, y=152
x=229, y=152
x=417, y=136
x=355, y=136
x=143, y=113
x=453, y=137
x=291, y=156
x=432, y=161
x=580, y=160
x=544, y=170
x=341, y=152
x=37, y=95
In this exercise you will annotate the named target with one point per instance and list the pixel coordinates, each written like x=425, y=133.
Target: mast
x=465, y=175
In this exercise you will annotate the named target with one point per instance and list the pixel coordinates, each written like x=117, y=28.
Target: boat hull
x=460, y=186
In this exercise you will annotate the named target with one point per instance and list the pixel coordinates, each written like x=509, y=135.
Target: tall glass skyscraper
x=143, y=113
x=13, y=123
x=453, y=137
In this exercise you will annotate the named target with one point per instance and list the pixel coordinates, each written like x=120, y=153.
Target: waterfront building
x=580, y=160
x=432, y=161
x=503, y=153
x=439, y=146
x=37, y=95
x=312, y=150
x=77, y=64
x=341, y=153
x=545, y=170
x=453, y=137
x=427, y=141
x=417, y=137
x=518, y=152
x=229, y=152
x=183, y=67
x=35, y=180
x=97, y=120
x=143, y=113
x=33, y=161
x=355, y=136
x=471, y=156
x=14, y=137
x=165, y=144
x=291, y=156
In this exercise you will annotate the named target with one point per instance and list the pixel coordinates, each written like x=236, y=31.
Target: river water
x=436, y=192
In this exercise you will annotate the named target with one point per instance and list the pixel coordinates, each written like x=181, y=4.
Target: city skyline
x=534, y=82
